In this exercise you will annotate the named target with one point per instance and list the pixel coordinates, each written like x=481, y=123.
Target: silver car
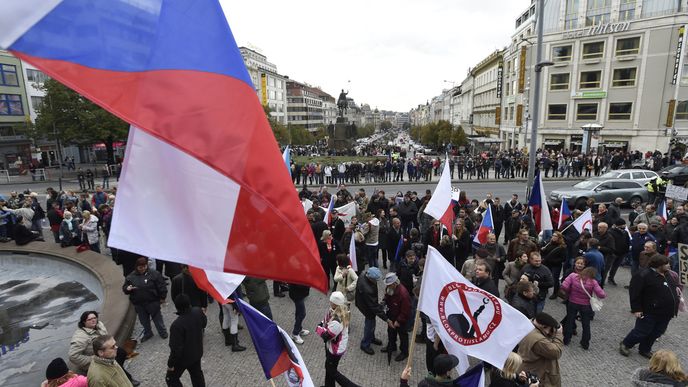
x=602, y=190
x=641, y=175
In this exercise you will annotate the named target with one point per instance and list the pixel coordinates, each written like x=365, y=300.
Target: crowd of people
x=399, y=164
x=391, y=237
x=394, y=233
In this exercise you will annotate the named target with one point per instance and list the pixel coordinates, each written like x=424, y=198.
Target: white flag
x=469, y=320
x=440, y=205
x=583, y=222
x=352, y=251
x=346, y=212
x=307, y=205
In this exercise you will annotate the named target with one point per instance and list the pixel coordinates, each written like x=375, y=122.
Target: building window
x=593, y=50
x=628, y=46
x=627, y=10
x=36, y=103
x=597, y=12
x=36, y=76
x=620, y=110
x=559, y=81
x=624, y=77
x=590, y=79
x=11, y=105
x=8, y=75
x=571, y=14
x=556, y=112
x=562, y=53
x=682, y=110
x=586, y=112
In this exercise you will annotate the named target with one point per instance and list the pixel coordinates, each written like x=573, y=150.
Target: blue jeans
x=586, y=314
x=539, y=306
x=646, y=331
x=371, y=255
x=299, y=315
x=368, y=332
x=149, y=311
x=264, y=309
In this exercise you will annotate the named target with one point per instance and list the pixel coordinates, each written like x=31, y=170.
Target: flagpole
x=272, y=382
x=409, y=362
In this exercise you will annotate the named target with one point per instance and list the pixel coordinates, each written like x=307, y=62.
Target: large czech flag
x=200, y=182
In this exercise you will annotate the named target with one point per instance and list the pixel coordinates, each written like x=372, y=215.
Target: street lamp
x=539, y=64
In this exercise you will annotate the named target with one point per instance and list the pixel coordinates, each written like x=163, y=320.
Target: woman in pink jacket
x=576, y=285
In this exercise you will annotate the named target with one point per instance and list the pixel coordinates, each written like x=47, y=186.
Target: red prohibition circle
x=488, y=329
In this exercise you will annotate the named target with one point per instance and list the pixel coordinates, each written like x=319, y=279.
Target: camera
x=531, y=378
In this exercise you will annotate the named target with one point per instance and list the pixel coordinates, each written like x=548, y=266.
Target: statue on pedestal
x=342, y=103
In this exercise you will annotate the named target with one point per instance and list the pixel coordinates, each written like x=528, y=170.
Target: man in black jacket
x=654, y=302
x=147, y=290
x=483, y=278
x=621, y=243
x=407, y=213
x=186, y=344
x=183, y=283
x=368, y=303
x=393, y=235
x=607, y=247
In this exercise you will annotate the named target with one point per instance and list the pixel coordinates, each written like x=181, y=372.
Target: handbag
x=595, y=303
x=563, y=295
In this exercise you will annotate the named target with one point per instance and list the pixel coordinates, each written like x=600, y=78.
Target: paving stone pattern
x=601, y=365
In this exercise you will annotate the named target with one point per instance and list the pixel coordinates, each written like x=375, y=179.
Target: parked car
x=678, y=174
x=642, y=175
x=602, y=190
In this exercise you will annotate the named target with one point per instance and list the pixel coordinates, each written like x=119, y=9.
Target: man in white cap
x=398, y=304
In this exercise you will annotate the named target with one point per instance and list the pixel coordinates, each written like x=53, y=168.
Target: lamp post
x=539, y=64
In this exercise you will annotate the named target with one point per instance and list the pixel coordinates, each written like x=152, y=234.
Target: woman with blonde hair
x=334, y=330
x=509, y=376
x=664, y=370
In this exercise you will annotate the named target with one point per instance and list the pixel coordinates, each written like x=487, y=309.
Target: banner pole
x=272, y=382
x=409, y=361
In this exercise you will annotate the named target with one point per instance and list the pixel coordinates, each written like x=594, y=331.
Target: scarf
x=70, y=226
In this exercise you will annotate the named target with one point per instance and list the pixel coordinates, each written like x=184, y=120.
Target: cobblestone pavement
x=602, y=365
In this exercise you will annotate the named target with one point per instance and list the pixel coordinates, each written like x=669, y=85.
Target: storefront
x=576, y=143
x=554, y=145
x=613, y=145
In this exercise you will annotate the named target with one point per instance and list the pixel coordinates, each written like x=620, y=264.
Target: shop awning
x=486, y=140
x=554, y=142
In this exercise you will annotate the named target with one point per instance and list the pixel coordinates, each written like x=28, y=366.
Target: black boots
x=233, y=341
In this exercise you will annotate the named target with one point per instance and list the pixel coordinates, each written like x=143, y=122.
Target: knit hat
x=374, y=273
x=620, y=222
x=56, y=369
x=444, y=363
x=545, y=319
x=338, y=298
x=390, y=278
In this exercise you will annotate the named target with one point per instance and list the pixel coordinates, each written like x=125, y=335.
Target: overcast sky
x=395, y=53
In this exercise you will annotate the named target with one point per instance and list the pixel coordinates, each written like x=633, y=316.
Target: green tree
x=386, y=125
x=74, y=119
x=300, y=136
x=280, y=131
x=365, y=131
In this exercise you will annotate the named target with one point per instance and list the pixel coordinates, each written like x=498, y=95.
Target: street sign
x=676, y=192
x=683, y=264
